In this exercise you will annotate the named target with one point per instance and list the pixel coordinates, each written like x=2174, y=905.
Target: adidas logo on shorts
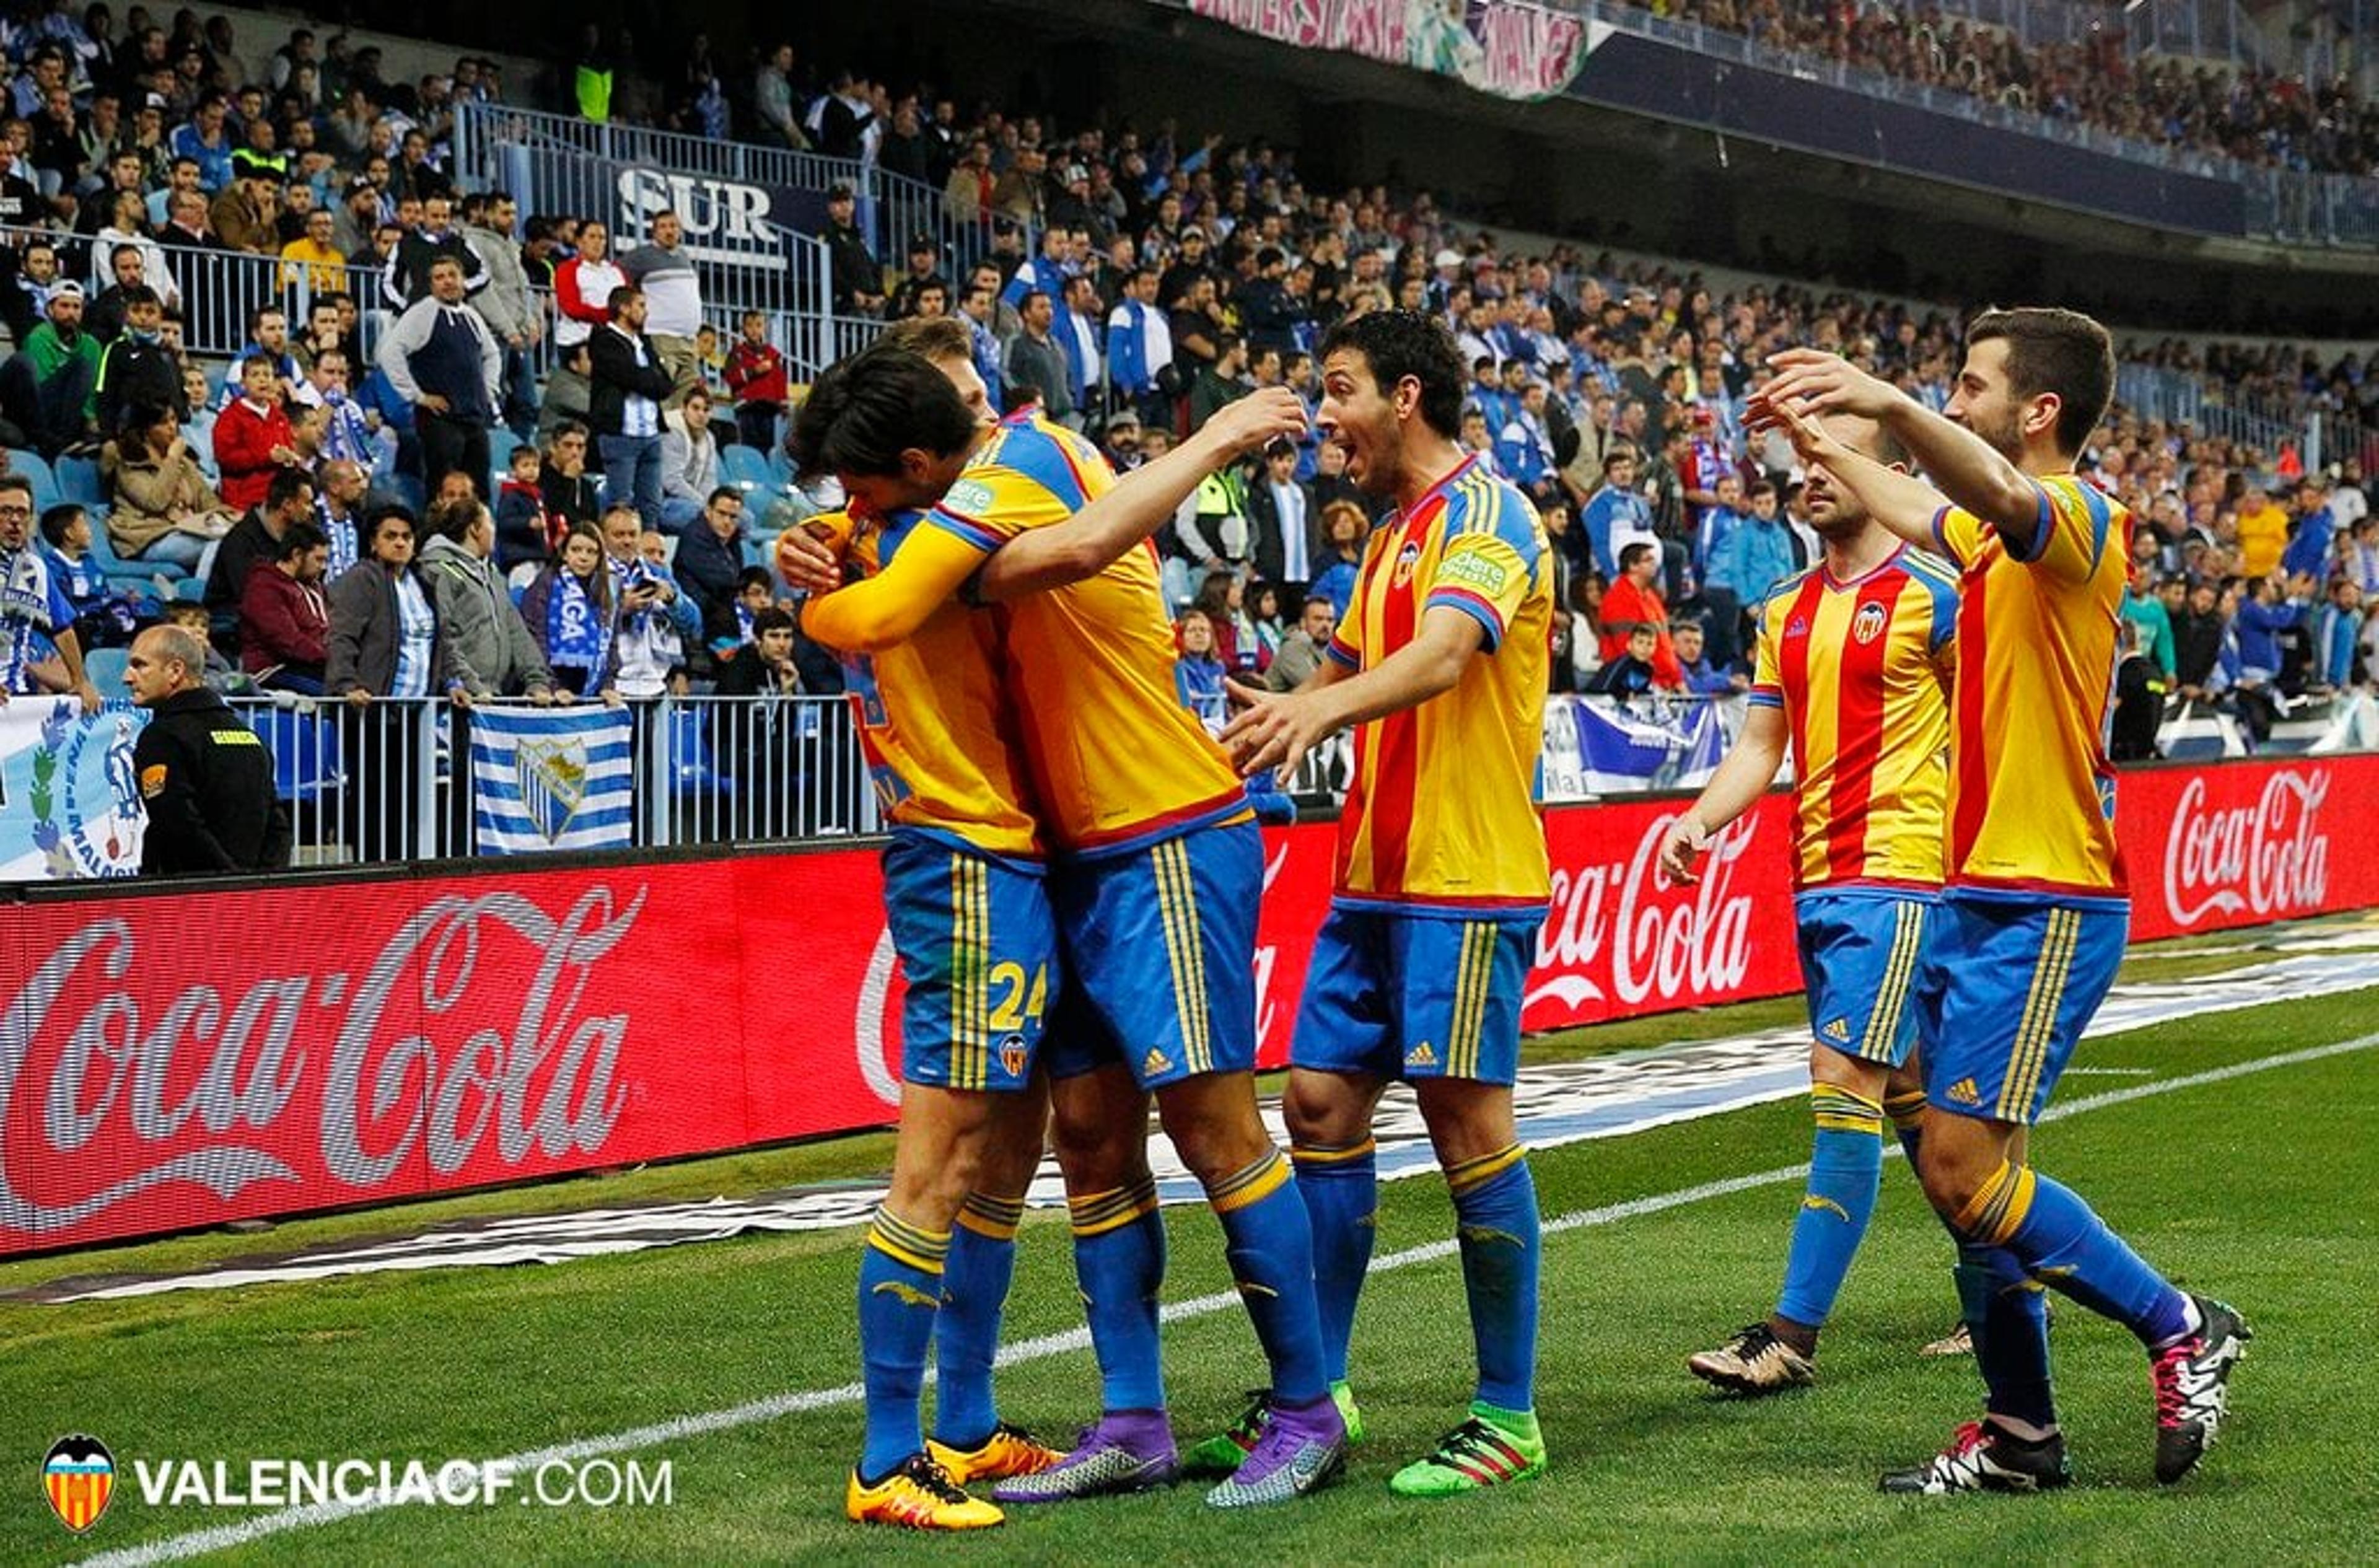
x=1964, y=1093
x=1421, y=1056
x=1156, y=1062
x=1839, y=1031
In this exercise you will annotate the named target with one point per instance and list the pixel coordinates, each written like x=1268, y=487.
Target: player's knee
x=1213, y=1126
x=1323, y=1110
x=1950, y=1169
x=1467, y=1120
x=1856, y=1074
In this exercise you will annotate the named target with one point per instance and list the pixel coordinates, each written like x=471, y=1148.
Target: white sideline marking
x=225, y=1536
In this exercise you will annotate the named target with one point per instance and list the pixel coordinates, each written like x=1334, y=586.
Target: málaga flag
x=551, y=779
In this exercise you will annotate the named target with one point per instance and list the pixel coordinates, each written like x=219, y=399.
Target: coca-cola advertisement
x=171, y=1059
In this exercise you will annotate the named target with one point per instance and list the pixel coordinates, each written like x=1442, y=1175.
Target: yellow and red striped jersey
x=1862, y=671
x=1116, y=761
x=934, y=714
x=1442, y=811
x=2032, y=795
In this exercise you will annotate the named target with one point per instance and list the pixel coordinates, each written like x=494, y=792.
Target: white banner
x=69, y=803
x=547, y=778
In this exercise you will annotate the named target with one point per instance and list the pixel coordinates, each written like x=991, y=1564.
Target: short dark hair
x=2055, y=351
x=451, y=519
x=301, y=538
x=727, y=491
x=56, y=520
x=773, y=619
x=1398, y=343
x=1630, y=554
x=287, y=485
x=866, y=410
x=617, y=300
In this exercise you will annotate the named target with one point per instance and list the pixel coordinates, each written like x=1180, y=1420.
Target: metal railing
x=375, y=783
x=2204, y=30
x=2286, y=204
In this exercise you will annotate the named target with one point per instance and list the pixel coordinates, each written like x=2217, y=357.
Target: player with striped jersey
x=1852, y=683
x=2034, y=910
x=1419, y=971
x=1154, y=889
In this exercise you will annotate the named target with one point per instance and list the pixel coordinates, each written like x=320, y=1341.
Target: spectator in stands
x=1223, y=380
x=356, y=218
x=2197, y=640
x=772, y=100
x=1284, y=526
x=490, y=650
x=858, y=277
x=627, y=385
x=506, y=304
x=1633, y=602
x=252, y=439
x=1703, y=678
x=665, y=275
x=583, y=287
x=284, y=621
x=689, y=462
x=56, y=376
x=2143, y=607
x=572, y=495
x=125, y=234
x=755, y=375
x=1302, y=651
x=649, y=643
x=1201, y=675
x=2262, y=533
x=2312, y=527
x=1140, y=349
x=1344, y=527
x=979, y=308
x=764, y=667
x=573, y=617
x=924, y=273
x=33, y=603
x=244, y=212
x=526, y=533
x=351, y=433
x=338, y=512
x=2337, y=638
x=1631, y=672
x=1752, y=557
x=314, y=259
x=710, y=558
x=288, y=499
x=845, y=117
x=387, y=654
x=102, y=617
x=162, y=511
x=2273, y=604
x=408, y=277
x=443, y=359
x=205, y=140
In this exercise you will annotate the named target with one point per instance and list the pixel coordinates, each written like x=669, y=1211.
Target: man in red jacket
x=1633, y=601
x=253, y=440
x=755, y=374
x=284, y=623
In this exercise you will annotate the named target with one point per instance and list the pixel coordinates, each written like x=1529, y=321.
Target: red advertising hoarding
x=172, y=1059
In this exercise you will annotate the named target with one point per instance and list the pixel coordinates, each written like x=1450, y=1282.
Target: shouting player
x=1852, y=672
x=1418, y=970
x=1155, y=893
x=2032, y=920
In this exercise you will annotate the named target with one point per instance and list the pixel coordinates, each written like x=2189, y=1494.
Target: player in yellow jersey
x=1852, y=681
x=1419, y=971
x=1160, y=868
x=2032, y=919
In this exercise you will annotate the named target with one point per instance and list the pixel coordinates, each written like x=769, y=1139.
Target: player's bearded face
x=1985, y=401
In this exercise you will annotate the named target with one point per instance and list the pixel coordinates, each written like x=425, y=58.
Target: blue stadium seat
x=780, y=467
x=105, y=668
x=695, y=769
x=745, y=468
x=501, y=443
x=34, y=466
x=140, y=575
x=79, y=482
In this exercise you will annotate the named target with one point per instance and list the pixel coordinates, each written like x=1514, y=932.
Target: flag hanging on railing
x=547, y=778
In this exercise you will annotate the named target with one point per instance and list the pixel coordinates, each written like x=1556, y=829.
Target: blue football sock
x=1496, y=1222
x=1268, y=1243
x=1341, y=1185
x=2007, y=1317
x=1119, y=1263
x=1907, y=1114
x=974, y=1291
x=2064, y=1245
x=1845, y=1171
x=900, y=1295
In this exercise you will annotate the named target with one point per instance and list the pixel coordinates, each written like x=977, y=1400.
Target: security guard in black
x=205, y=777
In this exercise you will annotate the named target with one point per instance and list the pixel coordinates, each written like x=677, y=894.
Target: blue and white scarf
x=576, y=632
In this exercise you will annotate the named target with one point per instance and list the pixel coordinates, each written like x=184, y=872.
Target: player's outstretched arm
x=1095, y=538
x=886, y=610
x=1960, y=464
x=1743, y=776
x=1276, y=729
x=1902, y=503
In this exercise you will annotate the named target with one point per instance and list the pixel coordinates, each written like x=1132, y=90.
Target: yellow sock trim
x=1905, y=1110
x=995, y=1217
x=1252, y=1183
x=1999, y=1207
x=1485, y=1168
x=1842, y=1110
x=1099, y=1212
x=1331, y=1154
x=913, y=1245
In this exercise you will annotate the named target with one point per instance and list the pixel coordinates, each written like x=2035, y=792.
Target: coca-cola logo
x=118, y=1074
x=2269, y=857
x=1657, y=940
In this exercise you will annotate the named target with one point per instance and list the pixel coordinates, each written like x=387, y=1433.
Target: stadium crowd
x=1133, y=283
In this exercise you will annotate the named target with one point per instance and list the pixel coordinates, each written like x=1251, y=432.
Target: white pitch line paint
x=222, y=1538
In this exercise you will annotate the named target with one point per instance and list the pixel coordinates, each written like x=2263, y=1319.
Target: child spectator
x=526, y=531
x=755, y=374
x=252, y=438
x=103, y=619
x=1630, y=675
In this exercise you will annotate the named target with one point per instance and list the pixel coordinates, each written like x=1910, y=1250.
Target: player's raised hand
x=1813, y=382
x=1250, y=423
x=1681, y=848
x=806, y=562
x=1275, y=729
